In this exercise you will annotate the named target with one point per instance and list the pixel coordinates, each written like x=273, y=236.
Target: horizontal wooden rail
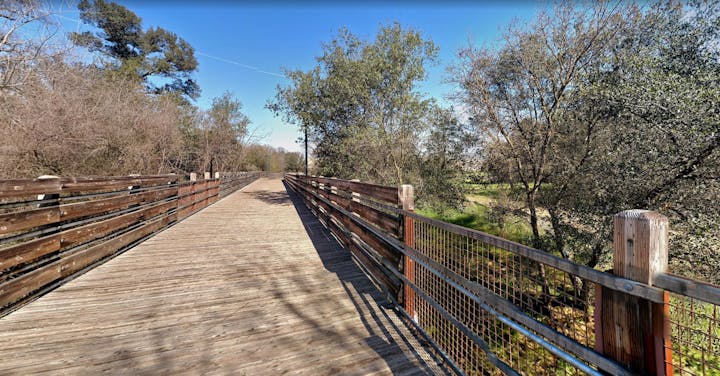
x=373, y=191
x=51, y=185
x=334, y=197
x=610, y=281
x=232, y=181
x=560, y=343
x=463, y=273
x=52, y=228
x=689, y=287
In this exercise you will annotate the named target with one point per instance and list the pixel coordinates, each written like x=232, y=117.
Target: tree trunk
x=558, y=235
x=536, y=243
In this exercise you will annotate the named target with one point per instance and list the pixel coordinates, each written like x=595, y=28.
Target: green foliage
x=137, y=53
x=694, y=332
x=518, y=95
x=485, y=219
x=294, y=162
x=359, y=103
x=366, y=119
x=658, y=138
x=120, y=34
x=594, y=110
x=441, y=161
x=492, y=191
x=265, y=158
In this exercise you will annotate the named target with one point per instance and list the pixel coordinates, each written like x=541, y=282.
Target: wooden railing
x=232, y=181
x=53, y=228
x=366, y=201
x=492, y=306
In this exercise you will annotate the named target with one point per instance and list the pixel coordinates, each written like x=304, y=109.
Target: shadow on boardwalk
x=388, y=335
x=270, y=197
x=241, y=288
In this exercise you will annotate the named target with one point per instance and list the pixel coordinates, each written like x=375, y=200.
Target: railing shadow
x=387, y=333
x=267, y=308
x=270, y=197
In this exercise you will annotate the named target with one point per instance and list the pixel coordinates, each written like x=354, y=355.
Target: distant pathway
x=253, y=285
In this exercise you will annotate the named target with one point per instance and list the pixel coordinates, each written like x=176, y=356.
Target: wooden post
x=206, y=191
x=355, y=195
x=632, y=330
x=131, y=188
x=407, y=198
x=193, y=176
x=49, y=196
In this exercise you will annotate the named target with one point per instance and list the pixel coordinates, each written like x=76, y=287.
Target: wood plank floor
x=252, y=285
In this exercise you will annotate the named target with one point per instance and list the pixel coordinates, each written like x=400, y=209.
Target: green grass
x=496, y=190
x=480, y=217
x=487, y=190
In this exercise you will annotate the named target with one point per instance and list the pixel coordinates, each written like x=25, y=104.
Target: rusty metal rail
x=694, y=320
x=491, y=305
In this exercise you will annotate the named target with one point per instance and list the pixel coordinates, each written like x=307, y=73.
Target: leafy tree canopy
x=360, y=105
x=138, y=53
x=595, y=110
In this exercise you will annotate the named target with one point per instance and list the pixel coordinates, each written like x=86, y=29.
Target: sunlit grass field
x=490, y=208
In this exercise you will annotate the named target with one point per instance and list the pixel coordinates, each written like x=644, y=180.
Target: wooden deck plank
x=252, y=285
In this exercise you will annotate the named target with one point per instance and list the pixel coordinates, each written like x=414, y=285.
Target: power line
x=239, y=64
x=256, y=69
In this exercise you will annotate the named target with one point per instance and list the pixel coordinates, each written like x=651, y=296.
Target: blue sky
x=242, y=47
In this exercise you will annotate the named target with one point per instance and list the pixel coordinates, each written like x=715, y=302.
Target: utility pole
x=306, y=152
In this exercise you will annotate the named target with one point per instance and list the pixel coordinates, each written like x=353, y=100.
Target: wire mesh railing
x=695, y=333
x=561, y=301
x=492, y=306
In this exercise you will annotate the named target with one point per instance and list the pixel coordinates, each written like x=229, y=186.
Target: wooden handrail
x=52, y=228
x=324, y=197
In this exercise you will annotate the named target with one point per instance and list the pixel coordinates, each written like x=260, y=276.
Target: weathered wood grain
x=253, y=285
x=29, y=251
x=15, y=289
x=685, y=286
x=94, y=207
x=34, y=249
x=83, y=234
x=385, y=221
x=381, y=276
x=24, y=220
x=94, y=184
x=632, y=329
x=374, y=191
x=342, y=226
x=28, y=187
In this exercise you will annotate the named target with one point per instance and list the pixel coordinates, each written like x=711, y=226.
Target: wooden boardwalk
x=253, y=285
